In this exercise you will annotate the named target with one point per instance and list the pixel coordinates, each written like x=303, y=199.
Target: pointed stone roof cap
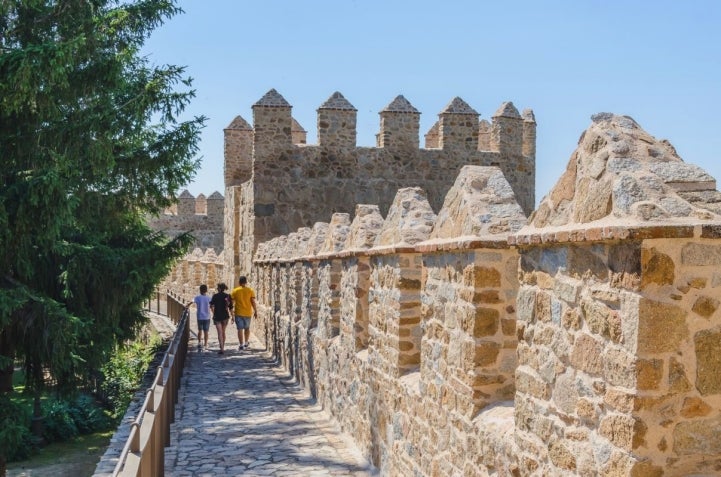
x=239, y=124
x=295, y=126
x=186, y=195
x=434, y=129
x=337, y=235
x=216, y=196
x=366, y=226
x=317, y=238
x=338, y=103
x=272, y=99
x=458, y=106
x=484, y=125
x=410, y=219
x=507, y=110
x=400, y=105
x=279, y=247
x=528, y=115
x=201, y=196
x=622, y=176
x=210, y=255
x=481, y=204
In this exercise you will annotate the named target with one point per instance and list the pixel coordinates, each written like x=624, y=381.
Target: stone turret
x=337, y=123
x=399, y=125
x=238, y=138
x=507, y=131
x=215, y=204
x=272, y=124
x=186, y=203
x=458, y=126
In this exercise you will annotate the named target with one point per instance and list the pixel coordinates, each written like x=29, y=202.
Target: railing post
x=146, y=450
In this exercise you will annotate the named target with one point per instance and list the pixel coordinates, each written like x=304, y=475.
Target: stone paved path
x=237, y=415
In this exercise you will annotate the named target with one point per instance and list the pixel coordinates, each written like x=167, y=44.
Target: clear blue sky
x=659, y=62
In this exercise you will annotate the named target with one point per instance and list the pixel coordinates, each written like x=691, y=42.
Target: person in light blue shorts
x=202, y=305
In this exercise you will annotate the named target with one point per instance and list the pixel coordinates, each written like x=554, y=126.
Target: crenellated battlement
x=201, y=216
x=290, y=184
x=188, y=205
x=274, y=128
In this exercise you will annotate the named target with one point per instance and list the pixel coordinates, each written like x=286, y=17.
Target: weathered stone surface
x=695, y=254
x=661, y=327
x=705, y=306
x=695, y=407
x=708, y=361
x=622, y=173
x=481, y=203
x=677, y=380
x=561, y=456
x=586, y=354
x=649, y=373
x=656, y=267
x=365, y=227
x=698, y=437
x=410, y=219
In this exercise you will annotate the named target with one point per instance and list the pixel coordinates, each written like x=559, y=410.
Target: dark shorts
x=242, y=322
x=203, y=325
x=220, y=322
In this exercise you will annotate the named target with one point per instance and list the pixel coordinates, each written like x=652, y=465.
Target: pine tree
x=90, y=143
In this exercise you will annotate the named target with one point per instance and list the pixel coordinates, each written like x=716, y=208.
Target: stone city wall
x=582, y=341
x=289, y=184
x=202, y=217
x=195, y=269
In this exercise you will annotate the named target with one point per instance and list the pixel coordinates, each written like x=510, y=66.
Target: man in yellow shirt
x=244, y=307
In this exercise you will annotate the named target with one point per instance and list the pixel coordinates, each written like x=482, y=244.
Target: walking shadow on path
x=235, y=416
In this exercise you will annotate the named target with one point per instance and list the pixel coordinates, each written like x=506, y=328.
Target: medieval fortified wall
x=450, y=335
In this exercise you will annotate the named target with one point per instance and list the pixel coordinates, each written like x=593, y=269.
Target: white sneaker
x=240, y=348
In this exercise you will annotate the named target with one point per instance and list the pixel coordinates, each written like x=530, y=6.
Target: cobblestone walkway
x=237, y=415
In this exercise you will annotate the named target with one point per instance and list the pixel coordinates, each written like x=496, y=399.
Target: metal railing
x=144, y=451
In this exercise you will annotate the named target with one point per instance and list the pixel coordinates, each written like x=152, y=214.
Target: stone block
x=708, y=361
x=677, y=380
x=586, y=354
x=619, y=430
x=662, y=326
x=697, y=254
x=486, y=353
x=700, y=436
x=705, y=306
x=529, y=384
x=694, y=407
x=561, y=456
x=526, y=304
x=657, y=268
x=649, y=373
x=486, y=277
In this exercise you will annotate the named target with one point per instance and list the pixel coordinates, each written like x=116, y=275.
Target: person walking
x=244, y=308
x=220, y=306
x=202, y=306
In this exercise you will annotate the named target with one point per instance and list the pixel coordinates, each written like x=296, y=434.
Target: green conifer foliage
x=90, y=143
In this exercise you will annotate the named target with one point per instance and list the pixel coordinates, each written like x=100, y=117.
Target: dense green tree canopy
x=90, y=142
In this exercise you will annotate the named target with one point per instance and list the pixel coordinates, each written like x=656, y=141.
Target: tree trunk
x=6, y=374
